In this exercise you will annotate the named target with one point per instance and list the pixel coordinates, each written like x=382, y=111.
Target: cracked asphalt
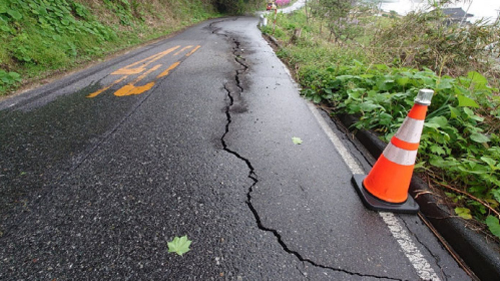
x=94, y=188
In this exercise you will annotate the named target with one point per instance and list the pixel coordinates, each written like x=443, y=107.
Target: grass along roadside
x=43, y=38
x=353, y=70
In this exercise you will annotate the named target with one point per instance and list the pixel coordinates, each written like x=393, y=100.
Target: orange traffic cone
x=386, y=186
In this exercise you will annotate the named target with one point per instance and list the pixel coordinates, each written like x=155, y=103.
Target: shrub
x=428, y=40
x=460, y=144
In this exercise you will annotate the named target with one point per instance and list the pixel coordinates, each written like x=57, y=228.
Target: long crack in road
x=235, y=90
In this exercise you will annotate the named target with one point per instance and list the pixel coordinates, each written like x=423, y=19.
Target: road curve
x=191, y=136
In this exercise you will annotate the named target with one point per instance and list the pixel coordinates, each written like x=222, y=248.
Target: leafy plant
x=493, y=225
x=8, y=79
x=463, y=213
x=43, y=36
x=81, y=11
x=376, y=76
x=236, y=6
x=458, y=143
x=122, y=8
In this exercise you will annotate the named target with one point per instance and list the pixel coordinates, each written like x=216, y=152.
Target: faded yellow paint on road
x=143, y=66
x=128, y=70
x=94, y=94
x=131, y=89
x=183, y=49
x=170, y=68
x=194, y=50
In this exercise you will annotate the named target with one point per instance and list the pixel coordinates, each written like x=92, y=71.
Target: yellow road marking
x=142, y=67
x=94, y=94
x=170, y=68
x=128, y=70
x=131, y=89
x=183, y=49
x=194, y=50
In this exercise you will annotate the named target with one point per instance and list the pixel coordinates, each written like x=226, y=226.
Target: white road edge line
x=421, y=265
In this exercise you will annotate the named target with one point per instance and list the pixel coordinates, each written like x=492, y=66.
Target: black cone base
x=373, y=203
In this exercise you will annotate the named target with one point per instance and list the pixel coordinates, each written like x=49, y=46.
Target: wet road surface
x=191, y=136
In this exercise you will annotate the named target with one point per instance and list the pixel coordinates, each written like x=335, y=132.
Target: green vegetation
x=42, y=37
x=370, y=66
x=237, y=7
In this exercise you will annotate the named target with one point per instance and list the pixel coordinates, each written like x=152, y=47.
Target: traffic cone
x=386, y=186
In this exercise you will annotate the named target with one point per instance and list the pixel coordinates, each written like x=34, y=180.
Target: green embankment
x=358, y=63
x=44, y=37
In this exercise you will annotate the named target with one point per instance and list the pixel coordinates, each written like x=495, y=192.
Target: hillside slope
x=43, y=37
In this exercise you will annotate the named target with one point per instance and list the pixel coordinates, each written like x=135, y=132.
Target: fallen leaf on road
x=296, y=140
x=179, y=246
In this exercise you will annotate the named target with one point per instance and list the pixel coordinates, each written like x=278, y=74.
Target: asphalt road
x=192, y=136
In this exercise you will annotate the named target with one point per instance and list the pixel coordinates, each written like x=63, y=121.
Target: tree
x=235, y=6
x=341, y=17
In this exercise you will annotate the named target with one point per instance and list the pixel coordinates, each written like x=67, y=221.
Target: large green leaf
x=3, y=7
x=381, y=66
x=454, y=112
x=470, y=113
x=463, y=213
x=368, y=106
x=491, y=162
x=355, y=93
x=14, y=14
x=403, y=81
x=445, y=83
x=466, y=101
x=437, y=149
x=437, y=161
x=493, y=225
x=496, y=194
x=317, y=99
x=436, y=122
x=479, y=138
x=477, y=79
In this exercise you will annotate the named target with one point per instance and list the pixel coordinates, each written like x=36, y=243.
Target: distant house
x=456, y=15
